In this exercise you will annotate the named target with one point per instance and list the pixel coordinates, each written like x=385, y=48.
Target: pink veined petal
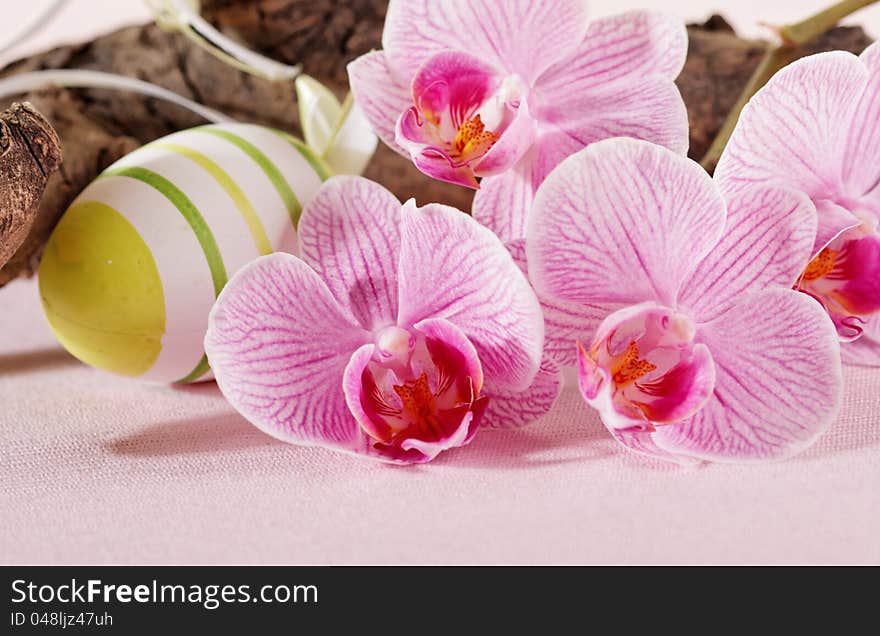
x=862, y=151
x=778, y=384
x=794, y=130
x=519, y=36
x=768, y=240
x=381, y=96
x=626, y=48
x=278, y=343
x=503, y=201
x=619, y=83
x=651, y=109
x=622, y=221
x=350, y=235
x=565, y=324
x=865, y=350
x=832, y=221
x=454, y=268
x=513, y=409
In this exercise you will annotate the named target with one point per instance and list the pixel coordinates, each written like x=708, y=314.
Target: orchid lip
x=842, y=277
x=645, y=368
x=461, y=109
x=420, y=391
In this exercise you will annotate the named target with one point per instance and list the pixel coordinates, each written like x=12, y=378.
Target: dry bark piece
x=30, y=151
x=97, y=126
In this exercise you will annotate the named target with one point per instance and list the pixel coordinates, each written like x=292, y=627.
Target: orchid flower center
x=419, y=388
x=647, y=364
x=843, y=276
x=472, y=140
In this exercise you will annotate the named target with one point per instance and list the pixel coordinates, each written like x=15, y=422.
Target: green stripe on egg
x=133, y=268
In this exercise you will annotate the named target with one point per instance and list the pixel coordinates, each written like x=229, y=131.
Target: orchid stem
x=793, y=36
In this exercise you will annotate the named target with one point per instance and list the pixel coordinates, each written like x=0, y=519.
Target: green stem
x=793, y=36
x=811, y=28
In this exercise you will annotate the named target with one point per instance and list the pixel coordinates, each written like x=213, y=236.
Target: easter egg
x=132, y=270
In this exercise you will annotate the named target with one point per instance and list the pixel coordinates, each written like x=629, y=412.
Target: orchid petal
x=380, y=95
x=278, y=342
x=862, y=168
x=622, y=221
x=792, y=130
x=350, y=235
x=503, y=201
x=520, y=36
x=621, y=48
x=651, y=109
x=768, y=240
x=778, y=383
x=565, y=324
x=513, y=409
x=619, y=83
x=458, y=270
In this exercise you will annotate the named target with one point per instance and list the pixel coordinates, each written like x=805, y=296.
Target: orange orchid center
x=821, y=265
x=472, y=139
x=417, y=399
x=630, y=367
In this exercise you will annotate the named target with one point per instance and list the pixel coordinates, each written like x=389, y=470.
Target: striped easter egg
x=130, y=273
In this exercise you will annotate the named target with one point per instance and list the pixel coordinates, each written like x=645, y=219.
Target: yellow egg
x=130, y=273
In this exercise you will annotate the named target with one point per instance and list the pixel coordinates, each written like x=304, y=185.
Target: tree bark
x=98, y=126
x=30, y=152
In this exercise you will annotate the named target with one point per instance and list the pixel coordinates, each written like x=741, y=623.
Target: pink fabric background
x=100, y=469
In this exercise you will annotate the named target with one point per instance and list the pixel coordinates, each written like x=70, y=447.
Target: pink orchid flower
x=396, y=333
x=503, y=90
x=692, y=344
x=815, y=127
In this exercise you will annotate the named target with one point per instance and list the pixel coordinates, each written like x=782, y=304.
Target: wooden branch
x=30, y=151
x=98, y=126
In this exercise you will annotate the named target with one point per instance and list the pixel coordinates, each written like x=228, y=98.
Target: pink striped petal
x=381, y=96
x=458, y=270
x=502, y=203
x=278, y=342
x=513, y=409
x=862, y=167
x=565, y=324
x=622, y=221
x=519, y=36
x=350, y=235
x=793, y=131
x=778, y=384
x=768, y=239
x=650, y=109
x=619, y=83
x=620, y=48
